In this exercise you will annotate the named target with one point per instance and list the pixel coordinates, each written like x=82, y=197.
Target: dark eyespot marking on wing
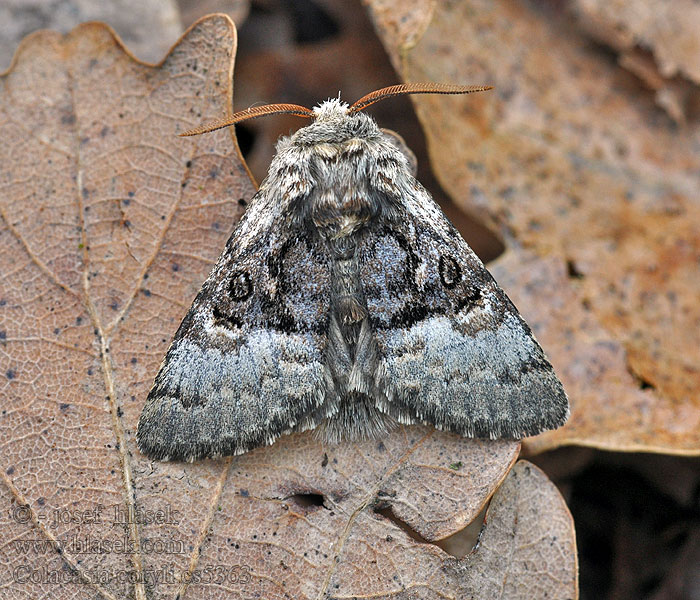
x=450, y=271
x=240, y=286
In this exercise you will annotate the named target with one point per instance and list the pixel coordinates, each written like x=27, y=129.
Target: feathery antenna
x=252, y=113
x=361, y=104
x=415, y=88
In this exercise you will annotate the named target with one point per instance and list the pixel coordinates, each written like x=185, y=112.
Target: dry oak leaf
x=109, y=224
x=668, y=30
x=594, y=191
x=656, y=40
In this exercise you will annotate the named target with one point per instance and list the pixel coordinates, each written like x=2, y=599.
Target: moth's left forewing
x=453, y=349
x=247, y=362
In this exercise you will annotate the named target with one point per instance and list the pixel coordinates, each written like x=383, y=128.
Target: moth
x=345, y=301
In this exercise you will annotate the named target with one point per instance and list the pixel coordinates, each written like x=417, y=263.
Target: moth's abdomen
x=350, y=354
x=342, y=204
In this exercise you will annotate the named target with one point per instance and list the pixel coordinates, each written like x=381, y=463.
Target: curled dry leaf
x=596, y=192
x=656, y=40
x=108, y=225
x=668, y=30
x=547, y=569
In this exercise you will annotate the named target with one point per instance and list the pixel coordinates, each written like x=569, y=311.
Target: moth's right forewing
x=453, y=349
x=247, y=363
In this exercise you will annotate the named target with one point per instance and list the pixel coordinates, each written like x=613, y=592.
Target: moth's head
x=336, y=121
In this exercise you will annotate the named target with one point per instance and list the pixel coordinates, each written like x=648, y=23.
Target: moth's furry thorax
x=338, y=173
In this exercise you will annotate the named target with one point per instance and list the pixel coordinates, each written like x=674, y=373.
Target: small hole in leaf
x=307, y=500
x=645, y=384
x=572, y=271
x=642, y=382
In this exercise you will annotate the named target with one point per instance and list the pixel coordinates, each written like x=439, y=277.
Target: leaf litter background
x=579, y=198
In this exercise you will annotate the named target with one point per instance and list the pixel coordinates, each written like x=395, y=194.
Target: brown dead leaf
x=546, y=570
x=108, y=225
x=596, y=193
x=669, y=30
x=656, y=40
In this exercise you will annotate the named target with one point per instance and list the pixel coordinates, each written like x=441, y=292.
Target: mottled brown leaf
x=109, y=223
x=528, y=538
x=527, y=549
x=656, y=40
x=595, y=193
x=669, y=30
